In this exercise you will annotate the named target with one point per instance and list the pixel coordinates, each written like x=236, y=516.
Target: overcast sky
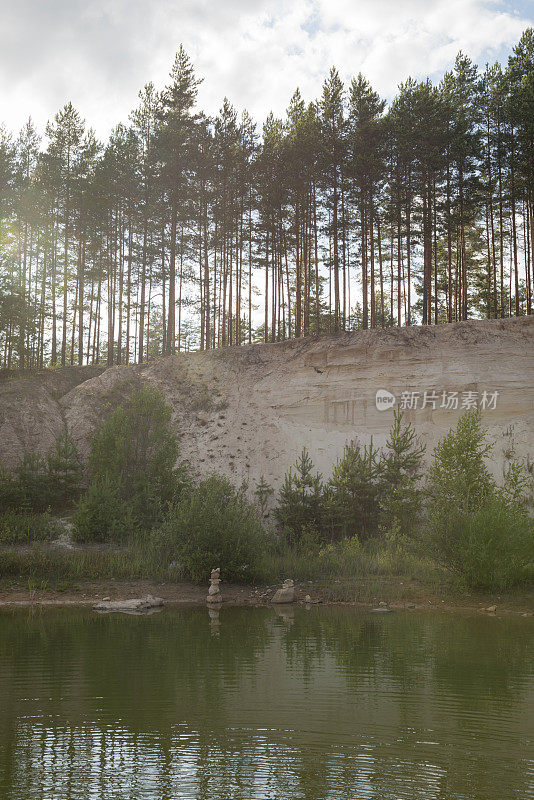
x=99, y=53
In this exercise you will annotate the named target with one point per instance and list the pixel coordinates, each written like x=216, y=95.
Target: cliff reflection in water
x=247, y=703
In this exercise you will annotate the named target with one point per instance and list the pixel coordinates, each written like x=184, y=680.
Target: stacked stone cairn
x=214, y=593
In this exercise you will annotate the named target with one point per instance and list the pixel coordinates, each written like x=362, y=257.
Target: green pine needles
x=369, y=490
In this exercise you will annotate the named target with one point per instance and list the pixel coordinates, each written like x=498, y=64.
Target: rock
x=214, y=598
x=382, y=604
x=491, y=609
x=106, y=599
x=381, y=610
x=309, y=600
x=410, y=605
x=286, y=594
x=129, y=606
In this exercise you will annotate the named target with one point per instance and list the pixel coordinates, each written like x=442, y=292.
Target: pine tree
x=65, y=139
x=353, y=494
x=399, y=476
x=366, y=167
x=64, y=467
x=299, y=511
x=175, y=231
x=333, y=127
x=174, y=148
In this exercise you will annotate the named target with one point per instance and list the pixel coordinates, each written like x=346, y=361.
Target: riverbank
x=365, y=593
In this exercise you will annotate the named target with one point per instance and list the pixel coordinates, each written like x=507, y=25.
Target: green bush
x=38, y=483
x=343, y=557
x=104, y=516
x=495, y=548
x=211, y=525
x=480, y=531
x=10, y=494
x=459, y=480
x=135, y=451
x=33, y=482
x=25, y=528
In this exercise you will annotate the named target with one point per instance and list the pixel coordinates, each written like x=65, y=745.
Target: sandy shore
x=397, y=596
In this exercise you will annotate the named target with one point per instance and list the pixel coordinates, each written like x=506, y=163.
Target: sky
x=99, y=53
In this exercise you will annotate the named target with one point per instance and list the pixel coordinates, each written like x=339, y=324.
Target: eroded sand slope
x=248, y=411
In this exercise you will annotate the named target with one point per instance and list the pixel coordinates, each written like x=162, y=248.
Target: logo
x=384, y=400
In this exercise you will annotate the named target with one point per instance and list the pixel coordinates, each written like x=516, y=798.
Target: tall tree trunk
x=171, y=324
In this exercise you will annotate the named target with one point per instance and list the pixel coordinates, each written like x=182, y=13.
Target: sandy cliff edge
x=248, y=411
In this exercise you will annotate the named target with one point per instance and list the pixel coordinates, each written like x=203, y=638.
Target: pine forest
x=186, y=232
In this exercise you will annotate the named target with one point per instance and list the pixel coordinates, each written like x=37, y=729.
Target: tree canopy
x=184, y=231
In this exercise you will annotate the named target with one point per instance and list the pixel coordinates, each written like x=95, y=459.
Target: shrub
x=353, y=493
x=495, y=549
x=136, y=450
x=301, y=503
x=33, y=482
x=211, y=525
x=480, y=531
x=263, y=493
x=38, y=483
x=10, y=495
x=343, y=557
x=25, y=528
x=516, y=485
x=103, y=515
x=459, y=480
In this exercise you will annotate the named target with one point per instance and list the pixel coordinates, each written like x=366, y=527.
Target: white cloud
x=99, y=53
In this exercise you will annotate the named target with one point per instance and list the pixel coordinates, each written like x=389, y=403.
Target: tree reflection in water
x=325, y=703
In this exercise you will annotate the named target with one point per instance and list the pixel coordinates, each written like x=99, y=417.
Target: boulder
x=286, y=594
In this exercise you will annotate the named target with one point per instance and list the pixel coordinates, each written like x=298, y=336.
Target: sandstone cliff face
x=248, y=411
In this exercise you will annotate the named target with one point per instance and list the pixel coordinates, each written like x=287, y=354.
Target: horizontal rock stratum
x=248, y=411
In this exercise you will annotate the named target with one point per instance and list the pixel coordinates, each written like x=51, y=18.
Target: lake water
x=325, y=704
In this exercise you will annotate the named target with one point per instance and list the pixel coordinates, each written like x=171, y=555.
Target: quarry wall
x=248, y=411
